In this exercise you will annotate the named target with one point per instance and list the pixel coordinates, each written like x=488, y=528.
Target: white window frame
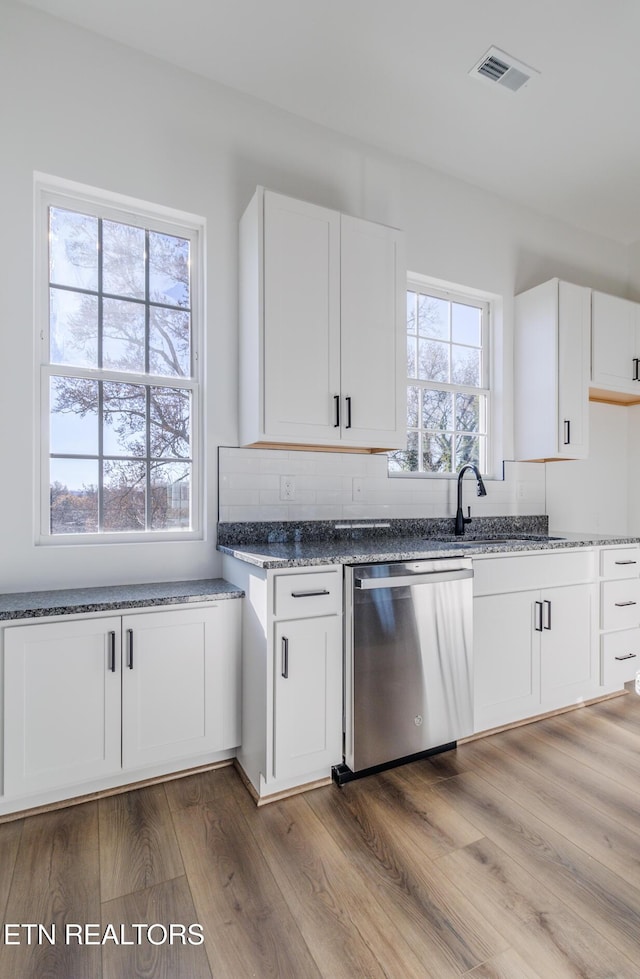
x=460, y=294
x=55, y=191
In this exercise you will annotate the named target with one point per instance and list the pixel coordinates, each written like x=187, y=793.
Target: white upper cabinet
x=301, y=319
x=372, y=364
x=551, y=382
x=615, y=349
x=321, y=329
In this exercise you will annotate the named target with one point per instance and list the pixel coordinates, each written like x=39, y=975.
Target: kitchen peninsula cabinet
x=552, y=363
x=94, y=701
x=291, y=676
x=322, y=349
x=615, y=370
x=535, y=635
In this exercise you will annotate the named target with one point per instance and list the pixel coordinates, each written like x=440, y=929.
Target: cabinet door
x=569, y=657
x=373, y=373
x=180, y=683
x=552, y=362
x=574, y=360
x=535, y=380
x=308, y=696
x=615, y=335
x=61, y=704
x=506, y=653
x=301, y=320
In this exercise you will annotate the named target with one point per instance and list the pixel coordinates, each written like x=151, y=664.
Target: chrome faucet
x=461, y=520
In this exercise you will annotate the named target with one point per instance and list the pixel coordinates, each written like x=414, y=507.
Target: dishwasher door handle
x=401, y=581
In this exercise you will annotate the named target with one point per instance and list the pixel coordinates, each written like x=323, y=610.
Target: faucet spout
x=461, y=520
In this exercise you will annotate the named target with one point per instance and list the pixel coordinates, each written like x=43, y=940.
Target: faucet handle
x=468, y=518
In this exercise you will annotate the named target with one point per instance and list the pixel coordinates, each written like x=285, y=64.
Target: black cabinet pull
x=625, y=562
x=567, y=432
x=628, y=656
x=348, y=400
x=130, y=645
x=112, y=652
x=285, y=658
x=538, y=622
x=312, y=593
x=336, y=401
x=636, y=367
x=624, y=604
x=547, y=605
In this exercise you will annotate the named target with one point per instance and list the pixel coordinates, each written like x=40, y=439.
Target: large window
x=447, y=382
x=120, y=393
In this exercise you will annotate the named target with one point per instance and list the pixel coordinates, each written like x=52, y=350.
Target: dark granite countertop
x=296, y=554
x=72, y=601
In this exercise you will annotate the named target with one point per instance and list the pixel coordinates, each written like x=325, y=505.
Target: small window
x=447, y=383
x=119, y=331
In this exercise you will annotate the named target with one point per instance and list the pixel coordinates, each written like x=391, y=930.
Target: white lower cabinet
x=568, y=646
x=291, y=675
x=180, y=685
x=620, y=657
x=90, y=698
x=619, y=614
x=535, y=650
x=61, y=704
x=506, y=660
x=307, y=701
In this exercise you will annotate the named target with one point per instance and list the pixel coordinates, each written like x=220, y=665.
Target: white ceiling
x=395, y=74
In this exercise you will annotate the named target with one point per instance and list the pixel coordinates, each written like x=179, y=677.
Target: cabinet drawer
x=620, y=657
x=620, y=562
x=620, y=604
x=297, y=596
x=524, y=572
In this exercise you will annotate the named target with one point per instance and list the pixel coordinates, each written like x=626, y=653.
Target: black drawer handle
x=538, y=617
x=626, y=562
x=628, y=656
x=624, y=604
x=112, y=652
x=311, y=593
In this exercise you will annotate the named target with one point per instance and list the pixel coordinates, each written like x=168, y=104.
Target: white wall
x=593, y=494
x=80, y=107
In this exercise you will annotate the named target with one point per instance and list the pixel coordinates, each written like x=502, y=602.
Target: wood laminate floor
x=514, y=857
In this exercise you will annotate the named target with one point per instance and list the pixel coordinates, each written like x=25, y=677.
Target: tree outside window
x=119, y=378
x=447, y=387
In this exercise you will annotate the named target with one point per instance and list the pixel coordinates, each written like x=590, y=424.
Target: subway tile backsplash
x=281, y=484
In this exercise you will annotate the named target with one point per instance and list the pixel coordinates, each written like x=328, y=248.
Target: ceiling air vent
x=500, y=68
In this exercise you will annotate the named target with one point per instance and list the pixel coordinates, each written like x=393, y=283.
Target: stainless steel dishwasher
x=408, y=662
